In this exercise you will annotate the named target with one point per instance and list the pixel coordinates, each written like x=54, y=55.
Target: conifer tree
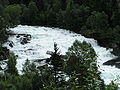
x=56, y=63
x=81, y=66
x=11, y=65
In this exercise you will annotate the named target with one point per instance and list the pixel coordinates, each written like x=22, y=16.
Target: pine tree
x=56, y=63
x=11, y=65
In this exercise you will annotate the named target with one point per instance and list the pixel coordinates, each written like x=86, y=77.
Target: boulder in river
x=23, y=41
x=18, y=36
x=25, y=38
x=114, y=62
x=11, y=44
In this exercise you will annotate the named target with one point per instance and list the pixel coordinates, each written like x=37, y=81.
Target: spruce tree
x=11, y=65
x=56, y=63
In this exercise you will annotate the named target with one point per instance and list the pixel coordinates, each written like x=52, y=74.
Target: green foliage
x=6, y=86
x=111, y=86
x=1, y=10
x=11, y=65
x=97, y=26
x=74, y=18
x=33, y=12
x=56, y=59
x=14, y=12
x=47, y=78
x=98, y=22
x=29, y=15
x=3, y=31
x=69, y=4
x=81, y=66
x=25, y=19
x=115, y=18
x=4, y=2
x=93, y=18
x=51, y=17
x=29, y=67
x=57, y=65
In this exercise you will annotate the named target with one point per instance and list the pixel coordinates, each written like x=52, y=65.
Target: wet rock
x=18, y=36
x=4, y=53
x=28, y=37
x=11, y=44
x=1, y=68
x=114, y=62
x=30, y=49
x=23, y=40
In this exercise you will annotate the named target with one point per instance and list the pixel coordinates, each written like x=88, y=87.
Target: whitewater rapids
x=43, y=39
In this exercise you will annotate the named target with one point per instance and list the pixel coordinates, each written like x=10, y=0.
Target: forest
x=91, y=18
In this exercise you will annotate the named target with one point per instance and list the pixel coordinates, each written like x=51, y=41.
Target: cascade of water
x=43, y=39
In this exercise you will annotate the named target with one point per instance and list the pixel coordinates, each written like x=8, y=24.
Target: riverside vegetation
x=92, y=18
x=76, y=70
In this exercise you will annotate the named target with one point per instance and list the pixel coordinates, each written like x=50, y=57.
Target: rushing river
x=43, y=39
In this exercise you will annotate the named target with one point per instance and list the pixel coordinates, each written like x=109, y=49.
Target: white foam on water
x=43, y=39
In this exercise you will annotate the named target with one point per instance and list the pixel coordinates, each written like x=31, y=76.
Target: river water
x=43, y=39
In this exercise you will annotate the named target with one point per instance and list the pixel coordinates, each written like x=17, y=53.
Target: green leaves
x=78, y=65
x=98, y=22
x=111, y=86
x=11, y=65
x=13, y=12
x=29, y=67
x=30, y=14
x=81, y=59
x=3, y=31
